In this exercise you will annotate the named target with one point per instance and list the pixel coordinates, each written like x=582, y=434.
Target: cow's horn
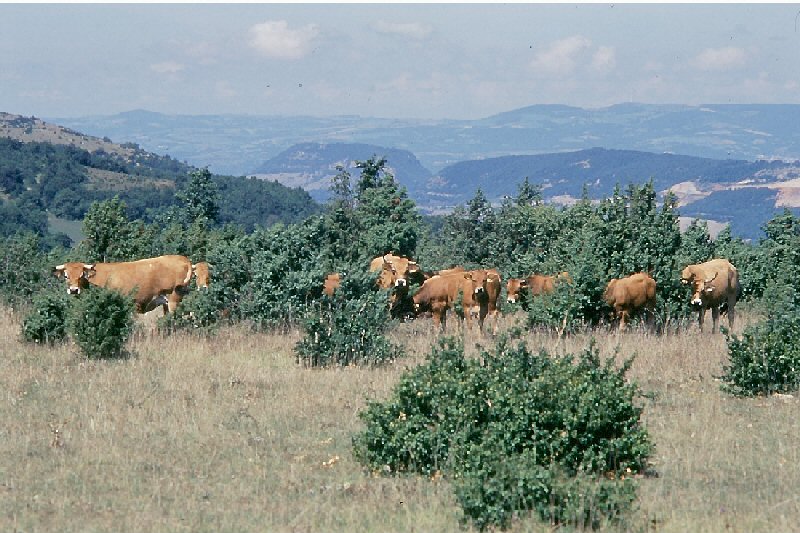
x=88, y=266
x=59, y=267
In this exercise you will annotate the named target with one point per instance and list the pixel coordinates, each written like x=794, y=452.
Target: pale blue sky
x=398, y=60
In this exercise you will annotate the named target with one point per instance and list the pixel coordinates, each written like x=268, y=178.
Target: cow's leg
x=731, y=316
x=623, y=315
x=714, y=319
x=172, y=302
x=701, y=316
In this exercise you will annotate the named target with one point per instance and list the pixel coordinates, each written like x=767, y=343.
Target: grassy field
x=230, y=434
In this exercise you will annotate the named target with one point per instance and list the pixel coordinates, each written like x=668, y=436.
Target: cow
x=396, y=274
x=537, y=284
x=488, y=299
x=396, y=271
x=332, y=282
x=202, y=274
x=440, y=293
x=628, y=295
x=713, y=283
x=155, y=281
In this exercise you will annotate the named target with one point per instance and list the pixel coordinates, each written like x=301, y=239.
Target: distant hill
x=748, y=148
x=312, y=165
x=50, y=174
x=742, y=193
x=239, y=144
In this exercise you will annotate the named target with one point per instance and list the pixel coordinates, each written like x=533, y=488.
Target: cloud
x=562, y=56
x=274, y=38
x=604, y=59
x=167, y=67
x=719, y=58
x=413, y=30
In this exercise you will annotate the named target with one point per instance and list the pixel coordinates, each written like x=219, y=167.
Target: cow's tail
x=188, y=274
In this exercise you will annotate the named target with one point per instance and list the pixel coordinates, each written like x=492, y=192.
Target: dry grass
x=229, y=434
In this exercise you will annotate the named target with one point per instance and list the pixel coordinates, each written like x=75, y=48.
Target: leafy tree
x=200, y=197
x=110, y=236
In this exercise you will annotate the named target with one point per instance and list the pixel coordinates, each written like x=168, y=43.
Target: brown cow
x=488, y=299
x=332, y=282
x=536, y=283
x=627, y=295
x=156, y=281
x=714, y=283
x=397, y=273
x=202, y=274
x=440, y=293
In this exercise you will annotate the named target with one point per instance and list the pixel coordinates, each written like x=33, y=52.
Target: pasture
x=228, y=433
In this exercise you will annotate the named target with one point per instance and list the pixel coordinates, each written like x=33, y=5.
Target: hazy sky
x=390, y=60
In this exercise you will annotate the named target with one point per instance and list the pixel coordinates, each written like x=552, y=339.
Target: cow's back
x=150, y=276
x=440, y=288
x=725, y=283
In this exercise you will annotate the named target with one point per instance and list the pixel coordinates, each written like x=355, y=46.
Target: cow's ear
x=194, y=269
x=88, y=270
x=467, y=275
x=58, y=271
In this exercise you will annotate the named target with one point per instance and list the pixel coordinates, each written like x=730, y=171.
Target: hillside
x=50, y=174
x=311, y=165
x=742, y=193
x=239, y=144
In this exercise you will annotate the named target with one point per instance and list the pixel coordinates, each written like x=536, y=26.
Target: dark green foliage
x=200, y=197
x=199, y=311
x=378, y=218
x=515, y=431
x=286, y=274
x=26, y=268
x=110, y=236
x=349, y=327
x=766, y=358
x=101, y=322
x=46, y=322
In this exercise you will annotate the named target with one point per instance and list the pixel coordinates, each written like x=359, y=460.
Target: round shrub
x=101, y=322
x=515, y=431
x=47, y=321
x=198, y=311
x=766, y=358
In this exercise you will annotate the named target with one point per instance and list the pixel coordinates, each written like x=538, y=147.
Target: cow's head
x=76, y=274
x=701, y=285
x=513, y=289
x=388, y=277
x=479, y=279
x=202, y=274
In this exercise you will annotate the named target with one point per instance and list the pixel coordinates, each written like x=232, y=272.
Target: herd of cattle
x=714, y=283
x=164, y=281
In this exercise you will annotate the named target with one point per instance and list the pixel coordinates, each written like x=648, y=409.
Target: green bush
x=198, y=311
x=515, y=431
x=349, y=327
x=101, y=322
x=46, y=322
x=766, y=358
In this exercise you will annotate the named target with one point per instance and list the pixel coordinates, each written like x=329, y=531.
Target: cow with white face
x=713, y=283
x=158, y=281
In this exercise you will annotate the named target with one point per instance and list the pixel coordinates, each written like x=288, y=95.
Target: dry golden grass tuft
x=230, y=434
